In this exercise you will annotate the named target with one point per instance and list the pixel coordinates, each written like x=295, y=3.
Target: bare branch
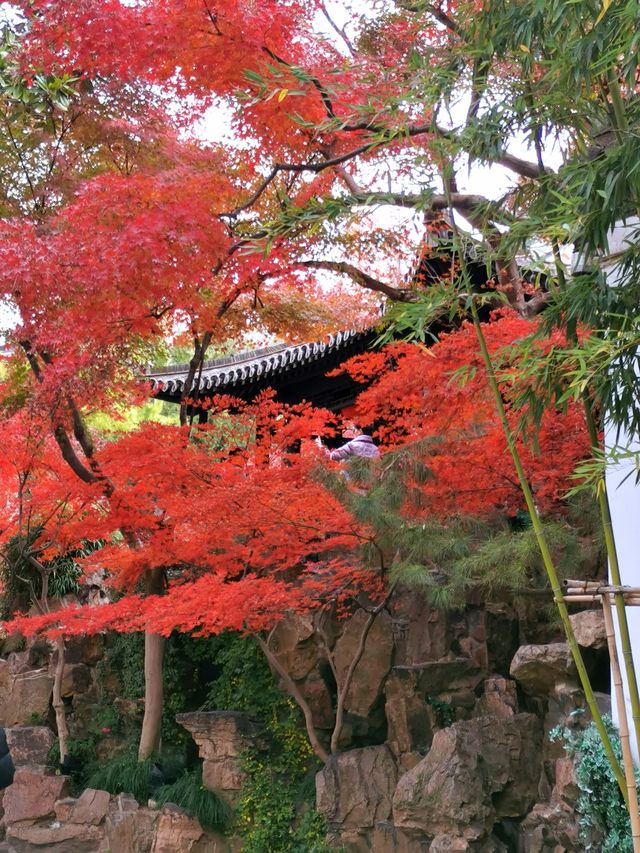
x=343, y=689
x=340, y=31
x=433, y=10
x=298, y=167
x=294, y=691
x=362, y=278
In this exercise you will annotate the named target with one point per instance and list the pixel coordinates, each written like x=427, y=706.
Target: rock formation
x=444, y=744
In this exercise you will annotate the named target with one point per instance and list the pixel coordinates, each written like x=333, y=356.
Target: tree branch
x=60, y=434
x=343, y=689
x=298, y=167
x=433, y=10
x=361, y=278
x=197, y=361
x=294, y=691
x=340, y=31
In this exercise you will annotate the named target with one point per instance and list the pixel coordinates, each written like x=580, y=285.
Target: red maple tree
x=132, y=231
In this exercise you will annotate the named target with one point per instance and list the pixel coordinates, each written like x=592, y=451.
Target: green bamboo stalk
x=620, y=115
x=609, y=538
x=625, y=740
x=614, y=568
x=537, y=523
x=546, y=555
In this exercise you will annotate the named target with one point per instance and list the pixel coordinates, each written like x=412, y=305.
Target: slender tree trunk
x=153, y=690
x=153, y=678
x=292, y=689
x=58, y=702
x=343, y=689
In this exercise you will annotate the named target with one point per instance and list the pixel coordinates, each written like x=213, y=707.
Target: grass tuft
x=189, y=793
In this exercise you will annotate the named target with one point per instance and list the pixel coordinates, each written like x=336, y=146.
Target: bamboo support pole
x=590, y=598
x=598, y=586
x=614, y=571
x=625, y=740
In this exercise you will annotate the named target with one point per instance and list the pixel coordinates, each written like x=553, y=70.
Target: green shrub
x=124, y=774
x=604, y=819
x=189, y=793
x=275, y=811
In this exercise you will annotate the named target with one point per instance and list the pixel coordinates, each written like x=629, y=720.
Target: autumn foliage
x=124, y=229
x=237, y=514
x=439, y=396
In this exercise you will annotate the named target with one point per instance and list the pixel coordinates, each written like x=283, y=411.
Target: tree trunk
x=153, y=688
x=153, y=678
x=58, y=703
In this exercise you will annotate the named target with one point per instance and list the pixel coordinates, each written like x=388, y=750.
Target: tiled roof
x=259, y=367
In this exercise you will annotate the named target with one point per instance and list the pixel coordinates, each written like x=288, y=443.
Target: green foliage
x=22, y=581
x=496, y=557
x=274, y=812
x=445, y=714
x=245, y=682
x=189, y=793
x=124, y=774
x=124, y=655
x=131, y=417
x=190, y=665
x=42, y=93
x=601, y=805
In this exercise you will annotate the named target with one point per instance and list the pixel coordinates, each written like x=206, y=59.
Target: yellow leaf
x=283, y=94
x=603, y=11
x=524, y=48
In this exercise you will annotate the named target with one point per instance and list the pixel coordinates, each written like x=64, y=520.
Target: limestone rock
x=500, y=698
x=24, y=694
x=374, y=665
x=565, y=790
x=88, y=650
x=32, y=796
x=176, y=831
x=28, y=837
x=475, y=772
x=421, y=632
x=446, y=844
x=13, y=642
x=408, y=715
x=551, y=829
x=295, y=644
x=213, y=842
x=90, y=808
x=30, y=745
x=387, y=838
x=63, y=808
x=221, y=737
x=76, y=678
x=451, y=675
x=470, y=632
x=317, y=694
x=503, y=630
x=588, y=626
x=130, y=830
x=354, y=789
x=539, y=669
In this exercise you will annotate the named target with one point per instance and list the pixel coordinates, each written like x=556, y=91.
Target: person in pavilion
x=358, y=444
